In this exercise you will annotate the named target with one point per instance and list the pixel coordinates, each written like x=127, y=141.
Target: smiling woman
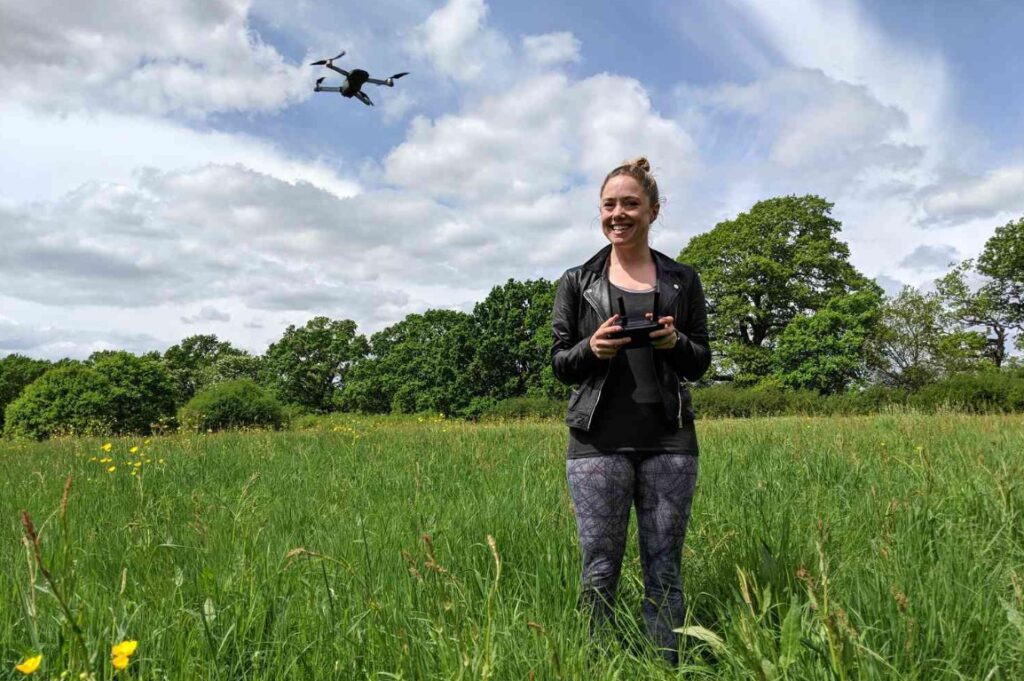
x=631, y=432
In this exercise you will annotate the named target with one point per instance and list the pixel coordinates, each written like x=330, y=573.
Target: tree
x=824, y=351
x=512, y=341
x=987, y=307
x=141, y=389
x=916, y=342
x=763, y=269
x=190, y=362
x=418, y=364
x=308, y=365
x=70, y=399
x=16, y=372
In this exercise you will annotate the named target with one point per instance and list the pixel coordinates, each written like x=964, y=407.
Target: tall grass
x=824, y=548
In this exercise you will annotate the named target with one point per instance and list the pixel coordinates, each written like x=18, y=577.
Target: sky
x=166, y=169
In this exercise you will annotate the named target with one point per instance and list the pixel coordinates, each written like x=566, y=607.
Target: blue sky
x=166, y=169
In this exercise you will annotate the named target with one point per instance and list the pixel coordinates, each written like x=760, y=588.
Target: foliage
x=192, y=361
x=511, y=355
x=764, y=268
x=141, y=393
x=72, y=399
x=996, y=304
x=238, y=403
x=308, y=365
x=417, y=365
x=824, y=351
x=16, y=372
x=525, y=407
x=1002, y=260
x=917, y=342
x=980, y=392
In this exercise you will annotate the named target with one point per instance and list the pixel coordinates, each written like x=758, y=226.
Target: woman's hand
x=665, y=337
x=601, y=344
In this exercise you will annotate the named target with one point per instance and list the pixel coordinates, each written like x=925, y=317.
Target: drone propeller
x=324, y=62
x=391, y=81
x=320, y=80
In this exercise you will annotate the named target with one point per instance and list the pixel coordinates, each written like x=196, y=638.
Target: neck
x=629, y=256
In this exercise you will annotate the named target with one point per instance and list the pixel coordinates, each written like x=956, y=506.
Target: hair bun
x=640, y=162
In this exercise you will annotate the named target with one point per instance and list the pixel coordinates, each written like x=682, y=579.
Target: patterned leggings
x=662, y=486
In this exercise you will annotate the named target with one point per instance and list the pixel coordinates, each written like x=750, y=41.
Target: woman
x=631, y=432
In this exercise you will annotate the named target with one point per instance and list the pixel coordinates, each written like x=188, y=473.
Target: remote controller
x=639, y=328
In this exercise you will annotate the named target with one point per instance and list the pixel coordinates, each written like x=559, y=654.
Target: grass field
x=831, y=548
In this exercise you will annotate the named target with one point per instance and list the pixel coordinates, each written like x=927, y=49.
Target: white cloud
x=457, y=40
x=551, y=48
x=1000, y=191
x=46, y=156
x=193, y=57
x=207, y=314
x=838, y=38
x=542, y=138
x=930, y=257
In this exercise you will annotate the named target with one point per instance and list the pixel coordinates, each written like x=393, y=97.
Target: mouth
x=618, y=229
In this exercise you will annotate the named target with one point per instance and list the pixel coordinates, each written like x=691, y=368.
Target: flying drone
x=354, y=80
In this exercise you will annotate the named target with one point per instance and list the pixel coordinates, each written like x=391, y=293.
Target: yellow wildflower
x=134, y=449
x=145, y=442
x=92, y=458
x=137, y=464
x=160, y=461
x=120, y=662
x=112, y=469
x=29, y=664
x=124, y=648
x=106, y=446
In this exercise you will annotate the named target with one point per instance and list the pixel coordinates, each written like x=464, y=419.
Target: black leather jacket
x=582, y=304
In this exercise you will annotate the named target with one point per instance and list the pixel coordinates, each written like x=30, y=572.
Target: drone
x=354, y=80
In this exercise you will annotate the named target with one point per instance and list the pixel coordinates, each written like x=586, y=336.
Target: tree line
x=787, y=310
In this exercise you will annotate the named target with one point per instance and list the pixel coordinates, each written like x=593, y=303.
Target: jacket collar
x=599, y=262
x=598, y=295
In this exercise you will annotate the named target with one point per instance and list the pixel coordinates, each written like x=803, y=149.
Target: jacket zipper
x=607, y=370
x=679, y=396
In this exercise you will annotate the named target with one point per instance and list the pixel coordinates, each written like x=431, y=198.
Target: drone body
x=354, y=80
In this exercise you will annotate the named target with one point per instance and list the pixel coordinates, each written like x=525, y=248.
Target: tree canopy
x=308, y=365
x=761, y=270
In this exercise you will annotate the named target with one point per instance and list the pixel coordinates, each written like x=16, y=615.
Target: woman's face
x=626, y=212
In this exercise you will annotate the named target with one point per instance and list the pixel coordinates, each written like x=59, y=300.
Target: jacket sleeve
x=571, y=357
x=691, y=355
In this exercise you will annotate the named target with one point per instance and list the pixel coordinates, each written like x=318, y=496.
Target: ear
x=654, y=211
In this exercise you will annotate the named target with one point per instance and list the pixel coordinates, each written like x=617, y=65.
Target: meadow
x=888, y=547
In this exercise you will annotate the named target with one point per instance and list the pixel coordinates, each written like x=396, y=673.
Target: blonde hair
x=639, y=169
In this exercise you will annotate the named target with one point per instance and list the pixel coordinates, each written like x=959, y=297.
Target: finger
x=666, y=320
x=611, y=320
x=661, y=333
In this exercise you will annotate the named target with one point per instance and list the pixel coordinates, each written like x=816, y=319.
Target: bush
x=231, y=404
x=142, y=390
x=718, y=401
x=16, y=373
x=72, y=399
x=981, y=392
x=524, y=407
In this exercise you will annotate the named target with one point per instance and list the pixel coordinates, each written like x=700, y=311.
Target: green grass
x=869, y=547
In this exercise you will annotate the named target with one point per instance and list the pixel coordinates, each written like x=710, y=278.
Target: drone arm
x=390, y=82
x=332, y=67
